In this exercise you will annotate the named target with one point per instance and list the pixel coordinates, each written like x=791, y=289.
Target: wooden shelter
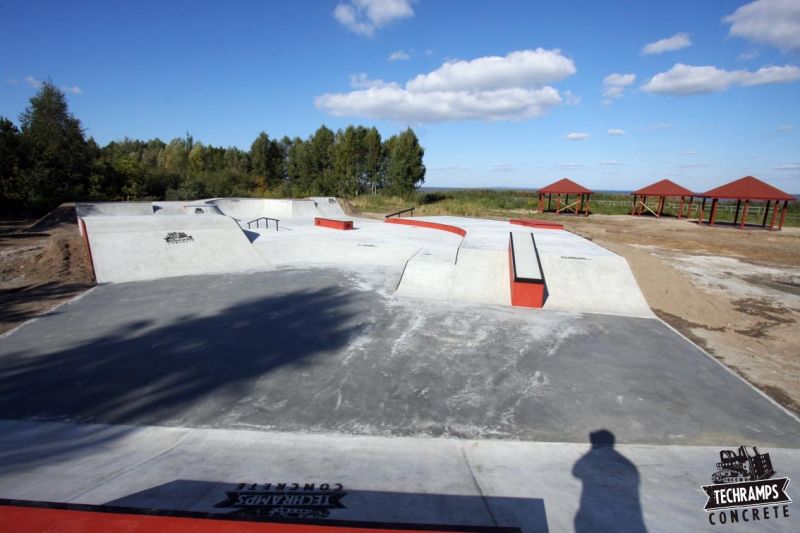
x=747, y=190
x=662, y=190
x=566, y=187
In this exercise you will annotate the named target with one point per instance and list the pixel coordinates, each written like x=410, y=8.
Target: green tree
x=267, y=159
x=404, y=167
x=58, y=163
x=374, y=155
x=10, y=160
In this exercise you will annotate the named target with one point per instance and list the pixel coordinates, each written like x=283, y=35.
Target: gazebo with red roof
x=566, y=187
x=662, y=190
x=747, y=189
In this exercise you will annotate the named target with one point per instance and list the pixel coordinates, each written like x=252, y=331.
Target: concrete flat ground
x=332, y=351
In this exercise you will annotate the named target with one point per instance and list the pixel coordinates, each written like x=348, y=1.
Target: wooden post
x=783, y=213
x=744, y=213
x=541, y=198
x=766, y=212
x=680, y=209
x=701, y=211
x=661, y=205
x=633, y=208
x=558, y=204
x=588, y=199
x=566, y=201
x=550, y=201
x=689, y=209
x=774, y=214
x=712, y=218
x=736, y=216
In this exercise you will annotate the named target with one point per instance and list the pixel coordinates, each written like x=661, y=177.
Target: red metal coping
x=664, y=188
x=748, y=188
x=564, y=186
x=531, y=223
x=425, y=224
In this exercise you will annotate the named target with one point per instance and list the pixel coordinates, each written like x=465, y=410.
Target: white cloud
x=610, y=163
x=790, y=166
x=614, y=86
x=571, y=99
x=747, y=56
x=72, y=90
x=33, y=82
x=366, y=16
x=773, y=22
x=616, y=132
x=487, y=88
x=684, y=80
x=522, y=68
x=676, y=42
x=785, y=127
x=399, y=55
x=576, y=136
x=689, y=152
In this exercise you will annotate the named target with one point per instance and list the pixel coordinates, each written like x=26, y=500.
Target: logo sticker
x=178, y=237
x=744, y=490
x=285, y=500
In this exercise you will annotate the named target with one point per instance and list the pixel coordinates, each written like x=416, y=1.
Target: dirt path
x=42, y=264
x=735, y=293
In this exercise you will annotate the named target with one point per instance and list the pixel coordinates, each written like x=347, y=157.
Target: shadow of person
x=610, y=494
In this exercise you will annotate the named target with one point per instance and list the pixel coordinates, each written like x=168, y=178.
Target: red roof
x=748, y=188
x=664, y=188
x=565, y=186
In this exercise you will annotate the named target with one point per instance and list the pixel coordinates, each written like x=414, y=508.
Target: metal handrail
x=266, y=220
x=401, y=212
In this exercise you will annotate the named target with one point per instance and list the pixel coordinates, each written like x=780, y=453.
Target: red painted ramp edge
x=23, y=516
x=531, y=223
x=425, y=224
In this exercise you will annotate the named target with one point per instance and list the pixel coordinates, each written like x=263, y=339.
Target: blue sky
x=500, y=93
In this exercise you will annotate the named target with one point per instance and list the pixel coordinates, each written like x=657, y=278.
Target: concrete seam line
x=405, y=266
x=49, y=311
x=730, y=371
x=125, y=470
x=477, y=485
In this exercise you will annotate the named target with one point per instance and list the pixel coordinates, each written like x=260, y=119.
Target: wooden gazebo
x=744, y=191
x=566, y=187
x=662, y=190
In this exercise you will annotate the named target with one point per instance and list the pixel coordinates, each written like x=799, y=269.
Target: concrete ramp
x=111, y=209
x=132, y=248
x=328, y=206
x=246, y=209
x=593, y=284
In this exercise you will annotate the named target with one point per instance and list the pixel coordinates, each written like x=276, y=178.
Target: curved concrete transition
x=385, y=360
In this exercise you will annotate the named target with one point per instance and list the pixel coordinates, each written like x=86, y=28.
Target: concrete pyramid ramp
x=328, y=206
x=132, y=248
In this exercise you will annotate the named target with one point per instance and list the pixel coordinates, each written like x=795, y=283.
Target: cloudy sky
x=613, y=94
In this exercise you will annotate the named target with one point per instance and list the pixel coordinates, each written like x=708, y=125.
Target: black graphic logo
x=178, y=237
x=285, y=500
x=742, y=483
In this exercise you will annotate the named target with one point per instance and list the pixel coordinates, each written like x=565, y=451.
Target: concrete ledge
x=424, y=224
x=333, y=224
x=525, y=271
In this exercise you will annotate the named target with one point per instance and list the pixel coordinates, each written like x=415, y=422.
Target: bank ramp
x=133, y=248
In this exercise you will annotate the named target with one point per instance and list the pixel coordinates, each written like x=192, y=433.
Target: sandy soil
x=734, y=292
x=42, y=264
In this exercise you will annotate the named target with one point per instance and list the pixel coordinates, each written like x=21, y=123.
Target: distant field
x=506, y=203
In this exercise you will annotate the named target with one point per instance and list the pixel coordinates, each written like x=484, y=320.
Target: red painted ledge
x=425, y=224
x=334, y=224
x=531, y=223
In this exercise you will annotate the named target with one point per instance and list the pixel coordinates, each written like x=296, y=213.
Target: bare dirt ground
x=734, y=292
x=42, y=264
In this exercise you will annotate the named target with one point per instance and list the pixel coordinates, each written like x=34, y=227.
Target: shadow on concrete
x=610, y=495
x=195, y=366
x=359, y=507
x=23, y=303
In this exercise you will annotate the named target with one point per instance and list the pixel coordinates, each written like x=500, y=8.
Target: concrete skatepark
x=388, y=358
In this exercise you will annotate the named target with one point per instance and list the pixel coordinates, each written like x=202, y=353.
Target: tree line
x=48, y=160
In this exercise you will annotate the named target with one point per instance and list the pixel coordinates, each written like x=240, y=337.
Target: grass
x=511, y=203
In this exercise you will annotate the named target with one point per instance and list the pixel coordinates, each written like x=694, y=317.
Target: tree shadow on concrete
x=194, y=368
x=23, y=303
x=610, y=495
